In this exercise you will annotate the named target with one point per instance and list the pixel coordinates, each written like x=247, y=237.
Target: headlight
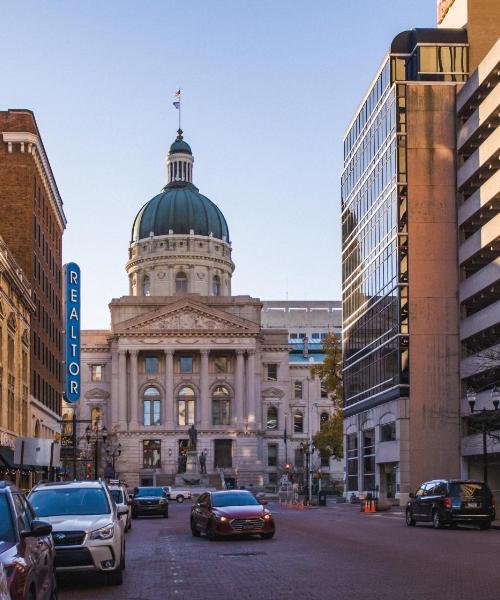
x=163, y=501
x=220, y=518
x=105, y=533
x=267, y=516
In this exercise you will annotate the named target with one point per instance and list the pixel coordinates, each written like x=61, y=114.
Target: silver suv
x=87, y=527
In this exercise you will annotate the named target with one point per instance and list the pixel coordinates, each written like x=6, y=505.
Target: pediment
x=187, y=317
x=273, y=392
x=97, y=393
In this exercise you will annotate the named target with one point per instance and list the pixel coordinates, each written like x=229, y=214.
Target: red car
x=230, y=513
x=26, y=548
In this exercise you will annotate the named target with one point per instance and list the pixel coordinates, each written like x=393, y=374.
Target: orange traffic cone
x=372, y=506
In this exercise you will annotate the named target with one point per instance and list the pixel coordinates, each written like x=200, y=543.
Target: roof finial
x=179, y=134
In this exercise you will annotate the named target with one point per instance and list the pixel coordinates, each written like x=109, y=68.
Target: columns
x=239, y=383
x=250, y=377
x=122, y=388
x=204, y=390
x=169, y=413
x=115, y=399
x=133, y=391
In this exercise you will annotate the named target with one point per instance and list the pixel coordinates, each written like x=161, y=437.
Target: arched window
x=298, y=422
x=146, y=286
x=272, y=417
x=323, y=418
x=181, y=283
x=37, y=428
x=216, y=285
x=221, y=405
x=185, y=406
x=151, y=406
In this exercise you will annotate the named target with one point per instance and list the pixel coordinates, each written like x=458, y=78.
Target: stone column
x=204, y=390
x=169, y=416
x=115, y=400
x=133, y=391
x=238, y=388
x=122, y=389
x=250, y=376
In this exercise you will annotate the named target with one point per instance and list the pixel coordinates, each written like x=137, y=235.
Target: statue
x=203, y=463
x=181, y=464
x=193, y=436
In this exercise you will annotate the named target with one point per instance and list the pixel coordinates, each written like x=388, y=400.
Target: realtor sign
x=72, y=332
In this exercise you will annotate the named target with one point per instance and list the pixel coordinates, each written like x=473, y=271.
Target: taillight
x=447, y=502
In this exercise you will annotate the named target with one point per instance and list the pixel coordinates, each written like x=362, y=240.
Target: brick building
x=32, y=223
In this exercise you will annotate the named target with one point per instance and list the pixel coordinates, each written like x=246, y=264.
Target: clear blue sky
x=268, y=89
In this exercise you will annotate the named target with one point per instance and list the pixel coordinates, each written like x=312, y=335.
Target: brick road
x=328, y=554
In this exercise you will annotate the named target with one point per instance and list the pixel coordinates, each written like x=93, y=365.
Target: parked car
x=149, y=501
x=450, y=502
x=26, y=549
x=87, y=527
x=119, y=494
x=230, y=513
x=179, y=495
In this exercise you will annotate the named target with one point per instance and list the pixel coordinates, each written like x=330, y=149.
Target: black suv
x=26, y=548
x=149, y=501
x=451, y=501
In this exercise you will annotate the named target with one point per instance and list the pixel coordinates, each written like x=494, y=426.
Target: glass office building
x=376, y=245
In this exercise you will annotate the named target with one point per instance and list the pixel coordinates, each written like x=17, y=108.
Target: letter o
x=74, y=368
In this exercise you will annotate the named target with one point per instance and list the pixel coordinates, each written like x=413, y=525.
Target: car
x=87, y=527
x=26, y=549
x=119, y=494
x=450, y=502
x=179, y=495
x=149, y=500
x=231, y=513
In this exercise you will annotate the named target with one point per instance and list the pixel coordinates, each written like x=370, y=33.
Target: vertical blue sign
x=72, y=332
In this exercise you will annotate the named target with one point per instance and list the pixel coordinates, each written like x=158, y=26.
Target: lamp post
x=93, y=434
x=113, y=453
x=308, y=449
x=485, y=417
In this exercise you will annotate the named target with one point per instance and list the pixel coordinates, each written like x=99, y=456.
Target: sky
x=268, y=89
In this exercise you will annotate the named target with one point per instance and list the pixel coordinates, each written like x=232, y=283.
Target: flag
x=177, y=101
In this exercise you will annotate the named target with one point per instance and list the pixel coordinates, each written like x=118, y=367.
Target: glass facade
x=374, y=198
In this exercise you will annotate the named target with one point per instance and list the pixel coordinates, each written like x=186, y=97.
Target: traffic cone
x=372, y=506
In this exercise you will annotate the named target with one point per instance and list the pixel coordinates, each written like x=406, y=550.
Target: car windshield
x=7, y=535
x=117, y=496
x=467, y=490
x=149, y=491
x=69, y=501
x=233, y=499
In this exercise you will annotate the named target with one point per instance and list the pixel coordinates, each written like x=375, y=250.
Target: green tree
x=329, y=439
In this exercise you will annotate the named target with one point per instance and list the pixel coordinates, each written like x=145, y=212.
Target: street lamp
x=485, y=417
x=94, y=433
x=308, y=449
x=113, y=453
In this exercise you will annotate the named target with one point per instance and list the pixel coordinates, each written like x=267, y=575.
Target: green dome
x=180, y=208
x=180, y=145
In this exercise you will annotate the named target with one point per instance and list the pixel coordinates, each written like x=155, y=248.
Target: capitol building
x=182, y=350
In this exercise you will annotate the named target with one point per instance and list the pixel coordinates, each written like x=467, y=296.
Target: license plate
x=472, y=504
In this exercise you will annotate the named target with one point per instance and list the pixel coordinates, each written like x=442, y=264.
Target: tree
x=329, y=439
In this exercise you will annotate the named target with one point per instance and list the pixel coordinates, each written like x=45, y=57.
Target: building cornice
x=36, y=149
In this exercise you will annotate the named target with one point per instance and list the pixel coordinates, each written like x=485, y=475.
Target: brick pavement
x=329, y=554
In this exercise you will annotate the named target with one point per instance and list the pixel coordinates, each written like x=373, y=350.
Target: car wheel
x=437, y=522
x=453, y=525
x=267, y=536
x=410, y=521
x=180, y=499
x=115, y=577
x=194, y=531
x=484, y=526
x=165, y=515
x=129, y=526
x=31, y=594
x=53, y=594
x=211, y=535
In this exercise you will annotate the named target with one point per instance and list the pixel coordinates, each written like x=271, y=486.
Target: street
x=326, y=553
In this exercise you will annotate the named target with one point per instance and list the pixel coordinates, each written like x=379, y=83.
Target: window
x=352, y=462
x=388, y=432
x=151, y=454
x=272, y=455
x=272, y=372
x=186, y=364
x=10, y=353
x=315, y=336
x=151, y=364
x=323, y=418
x=272, y=418
x=221, y=405
x=221, y=364
x=369, y=460
x=298, y=390
x=151, y=406
x=146, y=286
x=185, y=406
x=216, y=286
x=96, y=417
x=96, y=373
x=223, y=454
x=25, y=366
x=298, y=422
x=299, y=458
x=324, y=392
x=181, y=283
